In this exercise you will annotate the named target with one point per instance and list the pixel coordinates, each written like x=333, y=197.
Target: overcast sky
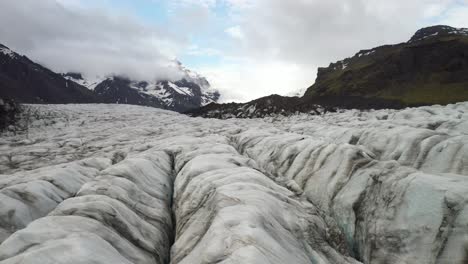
x=246, y=48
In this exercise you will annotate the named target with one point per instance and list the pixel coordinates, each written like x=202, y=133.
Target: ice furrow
x=123, y=215
x=27, y=196
x=229, y=212
x=390, y=213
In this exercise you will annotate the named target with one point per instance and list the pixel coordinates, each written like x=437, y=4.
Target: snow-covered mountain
x=78, y=78
x=190, y=92
x=129, y=184
x=28, y=82
x=7, y=52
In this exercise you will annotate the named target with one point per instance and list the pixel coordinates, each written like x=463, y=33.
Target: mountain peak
x=6, y=51
x=429, y=69
x=74, y=75
x=439, y=30
x=192, y=91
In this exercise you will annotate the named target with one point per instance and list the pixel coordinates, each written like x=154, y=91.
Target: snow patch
x=8, y=52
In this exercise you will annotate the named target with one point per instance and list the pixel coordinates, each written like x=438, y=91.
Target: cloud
x=241, y=81
x=457, y=16
x=195, y=50
x=66, y=36
x=186, y=3
x=318, y=32
x=247, y=48
x=235, y=32
x=301, y=35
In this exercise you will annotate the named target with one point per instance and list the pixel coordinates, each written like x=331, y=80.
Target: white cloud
x=279, y=44
x=240, y=4
x=457, y=17
x=195, y=50
x=66, y=36
x=246, y=80
x=318, y=32
x=205, y=3
x=235, y=32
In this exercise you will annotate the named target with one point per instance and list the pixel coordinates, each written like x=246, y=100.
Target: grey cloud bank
x=70, y=38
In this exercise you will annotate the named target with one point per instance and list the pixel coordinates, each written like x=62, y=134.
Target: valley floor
x=129, y=184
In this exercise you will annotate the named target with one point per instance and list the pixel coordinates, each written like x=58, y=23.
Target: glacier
x=129, y=184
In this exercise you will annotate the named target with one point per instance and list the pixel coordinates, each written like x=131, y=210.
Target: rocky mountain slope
x=131, y=184
x=190, y=92
x=431, y=68
x=28, y=82
x=266, y=106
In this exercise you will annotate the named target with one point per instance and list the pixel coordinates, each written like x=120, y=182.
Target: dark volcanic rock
x=262, y=107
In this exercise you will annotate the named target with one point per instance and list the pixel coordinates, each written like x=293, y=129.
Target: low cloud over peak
x=68, y=37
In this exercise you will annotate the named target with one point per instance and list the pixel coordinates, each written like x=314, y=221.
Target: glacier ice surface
x=129, y=184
